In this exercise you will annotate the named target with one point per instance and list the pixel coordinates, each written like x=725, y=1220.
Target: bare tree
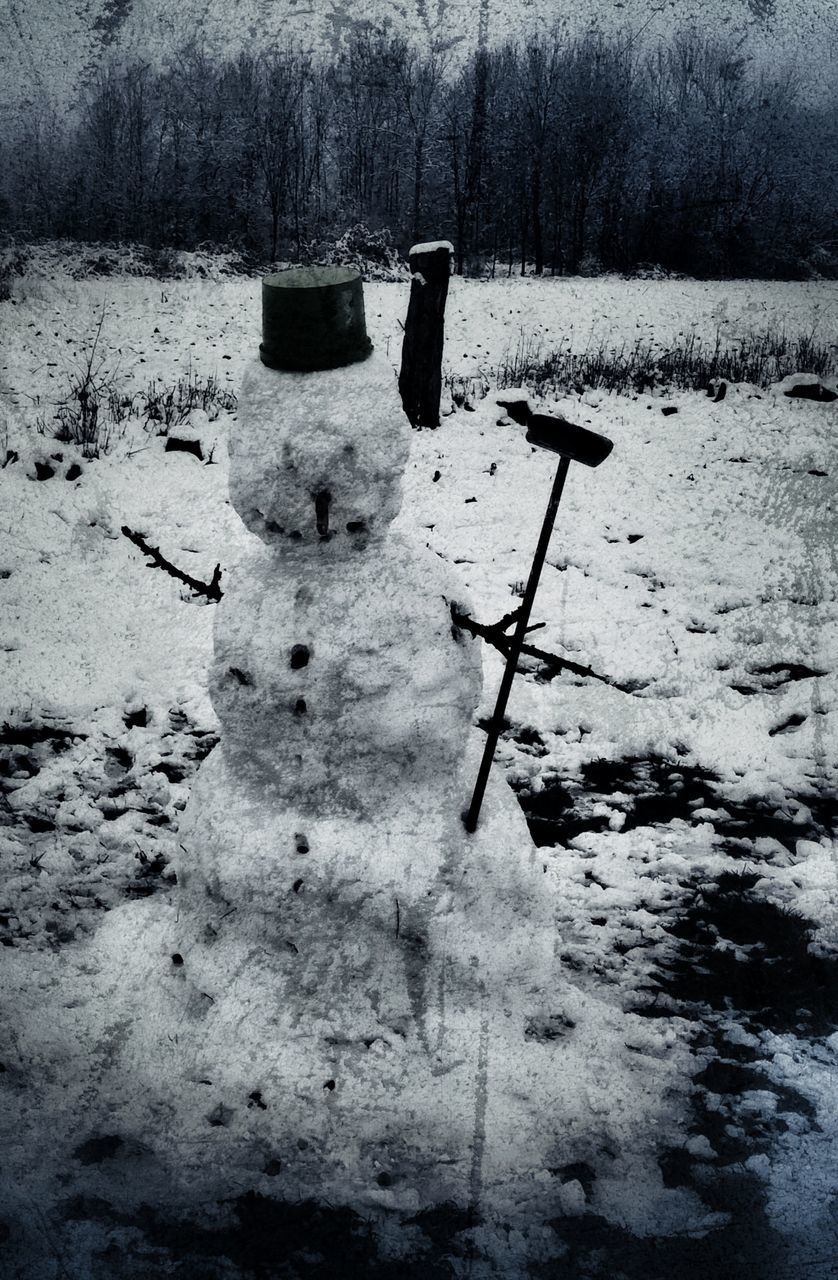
x=419, y=82
x=467, y=118
x=562, y=153
x=283, y=77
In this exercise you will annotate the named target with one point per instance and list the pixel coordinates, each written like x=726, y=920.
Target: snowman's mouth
x=322, y=502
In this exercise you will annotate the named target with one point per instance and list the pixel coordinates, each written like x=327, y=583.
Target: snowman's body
x=345, y=689
x=344, y=678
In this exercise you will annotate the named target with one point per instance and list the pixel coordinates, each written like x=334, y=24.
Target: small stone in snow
x=176, y=445
x=811, y=391
x=572, y=1198
x=95, y=1150
x=699, y=1146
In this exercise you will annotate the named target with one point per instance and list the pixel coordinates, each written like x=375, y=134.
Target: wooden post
x=420, y=379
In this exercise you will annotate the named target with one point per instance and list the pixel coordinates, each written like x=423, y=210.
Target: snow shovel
x=573, y=444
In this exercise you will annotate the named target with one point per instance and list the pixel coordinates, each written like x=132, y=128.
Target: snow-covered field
x=685, y=802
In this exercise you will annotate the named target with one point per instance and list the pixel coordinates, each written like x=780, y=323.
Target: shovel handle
x=496, y=723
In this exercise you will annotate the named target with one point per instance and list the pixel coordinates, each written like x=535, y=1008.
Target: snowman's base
x=360, y=1026
x=345, y=895
x=314, y=1088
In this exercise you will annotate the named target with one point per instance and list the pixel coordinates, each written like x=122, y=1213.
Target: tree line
x=552, y=154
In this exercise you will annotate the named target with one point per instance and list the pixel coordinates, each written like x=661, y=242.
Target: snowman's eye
x=356, y=526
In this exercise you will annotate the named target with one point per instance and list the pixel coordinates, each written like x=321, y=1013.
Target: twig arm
x=494, y=635
x=212, y=589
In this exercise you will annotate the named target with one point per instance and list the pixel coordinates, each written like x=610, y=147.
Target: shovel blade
x=559, y=436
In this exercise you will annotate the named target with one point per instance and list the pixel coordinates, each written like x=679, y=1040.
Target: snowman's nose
x=321, y=511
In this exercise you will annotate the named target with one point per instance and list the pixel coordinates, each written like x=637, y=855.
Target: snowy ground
x=686, y=805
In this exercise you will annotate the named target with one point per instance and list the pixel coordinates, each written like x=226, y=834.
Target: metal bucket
x=313, y=318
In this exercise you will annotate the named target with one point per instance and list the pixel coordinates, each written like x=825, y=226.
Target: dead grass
x=692, y=365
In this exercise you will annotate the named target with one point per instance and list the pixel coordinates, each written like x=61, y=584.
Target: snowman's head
x=317, y=458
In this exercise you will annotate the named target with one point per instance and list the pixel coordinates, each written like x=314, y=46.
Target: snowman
x=326, y=864
x=344, y=950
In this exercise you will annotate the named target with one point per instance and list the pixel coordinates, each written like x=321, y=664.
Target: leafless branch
x=495, y=635
x=212, y=590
